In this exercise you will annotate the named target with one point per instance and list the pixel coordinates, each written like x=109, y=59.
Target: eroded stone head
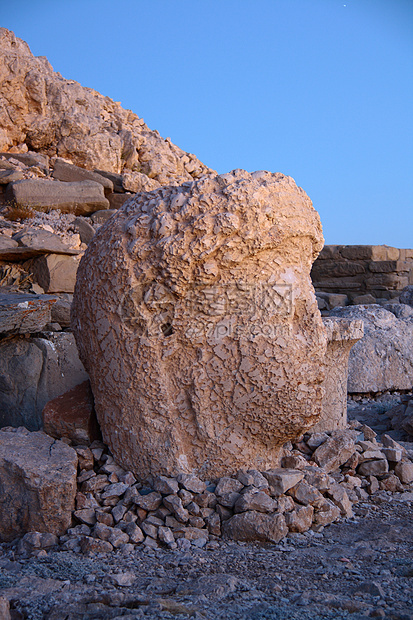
x=196, y=319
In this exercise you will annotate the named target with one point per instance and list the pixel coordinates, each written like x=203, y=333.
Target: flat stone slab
x=28, y=159
x=30, y=243
x=63, y=171
x=7, y=243
x=14, y=255
x=80, y=198
x=23, y=313
x=8, y=176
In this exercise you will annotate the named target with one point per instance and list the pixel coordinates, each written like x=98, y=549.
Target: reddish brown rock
x=72, y=415
x=196, y=319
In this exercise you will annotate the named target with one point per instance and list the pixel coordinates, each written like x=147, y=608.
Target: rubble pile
x=321, y=476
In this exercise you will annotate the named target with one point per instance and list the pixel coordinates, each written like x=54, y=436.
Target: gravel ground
x=357, y=568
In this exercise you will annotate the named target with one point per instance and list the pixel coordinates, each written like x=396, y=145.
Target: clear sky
x=321, y=90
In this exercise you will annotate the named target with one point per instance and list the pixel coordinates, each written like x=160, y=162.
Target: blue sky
x=321, y=90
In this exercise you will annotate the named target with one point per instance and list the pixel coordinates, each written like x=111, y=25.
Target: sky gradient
x=321, y=90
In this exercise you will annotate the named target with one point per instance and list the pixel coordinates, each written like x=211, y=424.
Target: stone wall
x=358, y=270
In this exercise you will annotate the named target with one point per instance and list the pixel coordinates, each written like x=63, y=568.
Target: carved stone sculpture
x=196, y=319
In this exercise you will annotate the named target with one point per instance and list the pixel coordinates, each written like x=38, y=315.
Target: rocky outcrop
x=37, y=483
x=45, y=113
x=383, y=359
x=195, y=317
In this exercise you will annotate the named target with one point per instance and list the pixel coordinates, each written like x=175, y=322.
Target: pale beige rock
x=197, y=303
x=328, y=513
x=342, y=334
x=383, y=359
x=335, y=451
x=80, y=198
x=38, y=482
x=300, y=519
x=404, y=471
x=54, y=116
x=281, y=480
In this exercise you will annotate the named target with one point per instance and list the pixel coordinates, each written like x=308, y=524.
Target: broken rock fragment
x=38, y=482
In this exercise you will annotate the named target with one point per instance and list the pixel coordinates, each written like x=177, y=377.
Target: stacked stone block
x=357, y=270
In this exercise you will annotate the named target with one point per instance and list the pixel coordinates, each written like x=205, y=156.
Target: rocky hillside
x=43, y=112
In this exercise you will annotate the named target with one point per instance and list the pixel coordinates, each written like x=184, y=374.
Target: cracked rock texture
x=36, y=494
x=46, y=113
x=196, y=319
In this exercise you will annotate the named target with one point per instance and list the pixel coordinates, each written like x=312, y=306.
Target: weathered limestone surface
x=342, y=334
x=63, y=171
x=195, y=316
x=54, y=116
x=32, y=372
x=383, y=359
x=37, y=483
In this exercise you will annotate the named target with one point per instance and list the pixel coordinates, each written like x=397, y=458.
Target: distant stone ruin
x=360, y=274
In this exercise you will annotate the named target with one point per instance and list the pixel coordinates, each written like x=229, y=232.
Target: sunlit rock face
x=196, y=319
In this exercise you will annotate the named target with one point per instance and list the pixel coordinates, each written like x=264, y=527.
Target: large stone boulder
x=196, y=319
x=22, y=313
x=37, y=483
x=383, y=359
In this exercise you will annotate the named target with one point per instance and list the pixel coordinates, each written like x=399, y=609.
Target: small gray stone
x=252, y=477
x=165, y=535
x=373, y=468
x=259, y=501
x=280, y=480
x=151, y=501
x=192, y=483
x=165, y=485
x=134, y=532
x=174, y=504
x=228, y=485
